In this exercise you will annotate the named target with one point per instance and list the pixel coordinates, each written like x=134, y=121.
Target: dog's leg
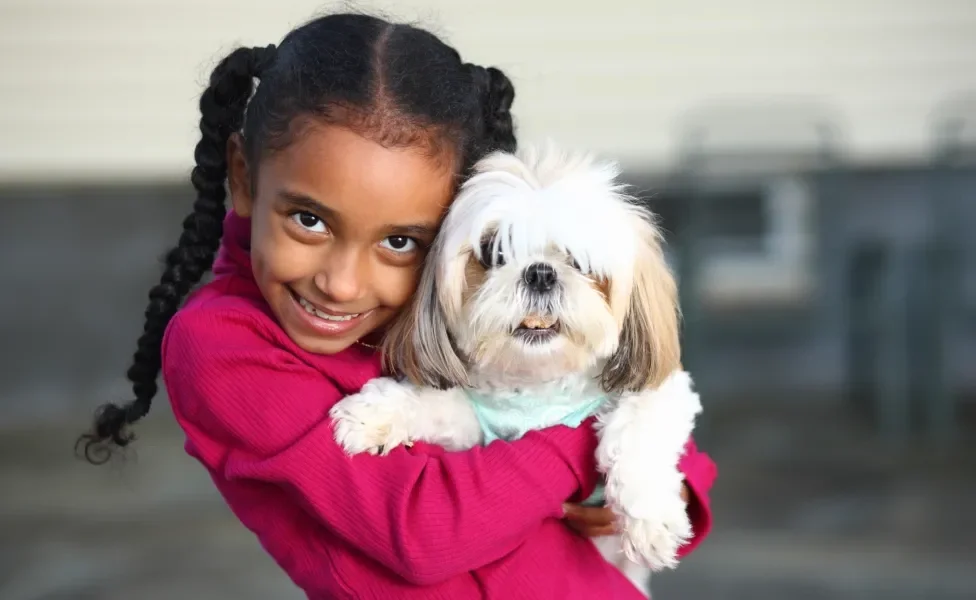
x=387, y=413
x=641, y=441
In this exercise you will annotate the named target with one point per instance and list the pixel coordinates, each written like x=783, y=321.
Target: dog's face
x=543, y=268
x=528, y=316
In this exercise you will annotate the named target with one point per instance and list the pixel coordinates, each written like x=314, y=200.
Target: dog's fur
x=609, y=325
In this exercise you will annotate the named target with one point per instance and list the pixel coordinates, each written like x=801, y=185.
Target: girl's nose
x=341, y=278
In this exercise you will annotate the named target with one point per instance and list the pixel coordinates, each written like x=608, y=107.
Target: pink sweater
x=419, y=523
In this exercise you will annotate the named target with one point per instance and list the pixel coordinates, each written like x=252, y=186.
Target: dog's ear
x=649, y=348
x=418, y=345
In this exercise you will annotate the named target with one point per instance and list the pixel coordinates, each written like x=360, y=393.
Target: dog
x=545, y=299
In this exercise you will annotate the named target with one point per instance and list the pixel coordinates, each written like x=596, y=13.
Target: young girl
x=340, y=168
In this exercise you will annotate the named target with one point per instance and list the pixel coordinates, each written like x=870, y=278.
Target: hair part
x=395, y=84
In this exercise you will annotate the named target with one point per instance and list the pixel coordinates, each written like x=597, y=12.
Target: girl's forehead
x=362, y=180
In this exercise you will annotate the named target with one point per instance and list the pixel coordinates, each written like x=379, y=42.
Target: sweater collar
x=234, y=255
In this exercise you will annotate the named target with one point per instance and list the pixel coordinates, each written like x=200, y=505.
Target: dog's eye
x=490, y=257
x=574, y=264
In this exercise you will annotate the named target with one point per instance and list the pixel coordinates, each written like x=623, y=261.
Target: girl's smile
x=326, y=322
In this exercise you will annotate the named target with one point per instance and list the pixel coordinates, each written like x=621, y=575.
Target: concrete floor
x=799, y=527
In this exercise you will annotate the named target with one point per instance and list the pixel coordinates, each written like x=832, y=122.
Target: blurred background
x=814, y=164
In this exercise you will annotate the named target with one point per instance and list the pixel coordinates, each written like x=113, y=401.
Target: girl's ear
x=239, y=177
x=419, y=346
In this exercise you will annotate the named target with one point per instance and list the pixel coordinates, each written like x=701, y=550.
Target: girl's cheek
x=284, y=259
x=295, y=263
x=398, y=287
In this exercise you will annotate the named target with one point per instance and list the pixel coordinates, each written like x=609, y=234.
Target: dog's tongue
x=537, y=322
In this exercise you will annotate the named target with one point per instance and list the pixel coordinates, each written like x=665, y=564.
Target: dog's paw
x=370, y=422
x=654, y=542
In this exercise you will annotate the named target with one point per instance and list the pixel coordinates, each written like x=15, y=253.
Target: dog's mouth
x=537, y=329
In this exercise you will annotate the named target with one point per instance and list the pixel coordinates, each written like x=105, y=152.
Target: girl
x=340, y=168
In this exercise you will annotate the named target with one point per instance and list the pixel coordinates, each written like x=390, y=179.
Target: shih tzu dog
x=546, y=299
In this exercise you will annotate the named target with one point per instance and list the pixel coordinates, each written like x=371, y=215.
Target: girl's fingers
x=601, y=531
x=592, y=516
x=589, y=531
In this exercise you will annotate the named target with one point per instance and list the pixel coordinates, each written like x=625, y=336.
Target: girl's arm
x=253, y=411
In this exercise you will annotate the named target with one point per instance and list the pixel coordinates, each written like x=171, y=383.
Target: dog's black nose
x=539, y=277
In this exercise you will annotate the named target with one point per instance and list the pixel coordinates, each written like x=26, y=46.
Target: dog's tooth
x=538, y=322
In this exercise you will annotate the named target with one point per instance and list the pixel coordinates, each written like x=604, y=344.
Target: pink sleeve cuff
x=700, y=473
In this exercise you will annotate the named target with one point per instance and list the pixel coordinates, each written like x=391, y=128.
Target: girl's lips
x=322, y=322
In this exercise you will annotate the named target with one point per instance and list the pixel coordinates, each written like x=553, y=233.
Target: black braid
x=222, y=108
x=498, y=94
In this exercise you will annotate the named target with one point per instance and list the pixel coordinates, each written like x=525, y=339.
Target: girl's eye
x=400, y=244
x=310, y=222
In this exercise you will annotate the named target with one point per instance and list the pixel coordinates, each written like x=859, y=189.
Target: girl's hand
x=590, y=521
x=598, y=521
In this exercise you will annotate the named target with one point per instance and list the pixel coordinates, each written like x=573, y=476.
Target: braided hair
x=396, y=83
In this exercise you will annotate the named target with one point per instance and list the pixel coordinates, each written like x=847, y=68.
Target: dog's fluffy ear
x=418, y=345
x=649, y=348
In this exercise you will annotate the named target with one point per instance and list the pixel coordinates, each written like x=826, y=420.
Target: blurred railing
x=896, y=293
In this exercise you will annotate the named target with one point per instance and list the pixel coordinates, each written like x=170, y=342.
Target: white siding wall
x=108, y=88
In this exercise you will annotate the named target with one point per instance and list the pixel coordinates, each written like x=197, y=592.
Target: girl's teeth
x=313, y=311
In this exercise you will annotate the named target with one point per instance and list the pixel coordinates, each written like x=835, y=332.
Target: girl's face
x=339, y=229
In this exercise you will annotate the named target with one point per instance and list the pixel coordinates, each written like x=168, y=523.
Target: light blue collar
x=510, y=415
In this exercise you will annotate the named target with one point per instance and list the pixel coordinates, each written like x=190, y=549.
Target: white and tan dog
x=546, y=299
